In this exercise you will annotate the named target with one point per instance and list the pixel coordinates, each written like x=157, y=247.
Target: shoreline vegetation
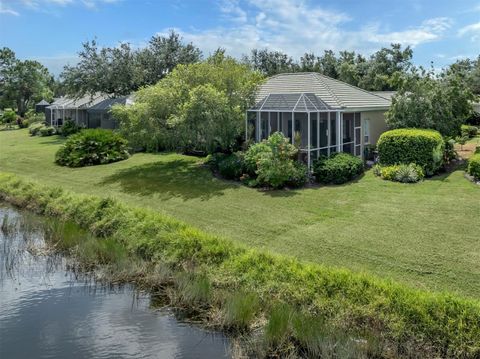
x=283, y=306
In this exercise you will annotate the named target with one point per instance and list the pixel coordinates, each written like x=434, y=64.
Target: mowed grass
x=426, y=235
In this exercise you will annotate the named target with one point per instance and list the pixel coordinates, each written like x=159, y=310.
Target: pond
x=46, y=311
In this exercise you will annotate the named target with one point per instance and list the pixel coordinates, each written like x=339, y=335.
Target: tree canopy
x=22, y=83
x=429, y=101
x=122, y=70
x=378, y=72
x=196, y=107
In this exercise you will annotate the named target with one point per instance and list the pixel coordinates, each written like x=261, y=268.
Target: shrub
x=34, y=128
x=449, y=153
x=46, y=131
x=272, y=163
x=68, y=128
x=469, y=131
x=22, y=122
x=410, y=173
x=404, y=146
x=339, y=168
x=213, y=160
x=477, y=149
x=92, y=147
x=232, y=166
x=474, y=166
x=9, y=116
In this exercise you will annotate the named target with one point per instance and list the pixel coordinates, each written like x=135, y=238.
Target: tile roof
x=334, y=93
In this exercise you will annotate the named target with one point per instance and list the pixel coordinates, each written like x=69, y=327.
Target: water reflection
x=46, y=312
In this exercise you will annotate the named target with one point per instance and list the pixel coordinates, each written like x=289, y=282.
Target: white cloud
x=473, y=30
x=39, y=4
x=7, y=11
x=296, y=27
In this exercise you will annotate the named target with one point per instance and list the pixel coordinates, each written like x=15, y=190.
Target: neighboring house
x=88, y=111
x=99, y=115
x=323, y=114
x=40, y=107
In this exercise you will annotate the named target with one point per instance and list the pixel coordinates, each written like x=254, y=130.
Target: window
x=366, y=131
x=313, y=131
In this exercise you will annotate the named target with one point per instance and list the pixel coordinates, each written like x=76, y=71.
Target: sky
x=52, y=31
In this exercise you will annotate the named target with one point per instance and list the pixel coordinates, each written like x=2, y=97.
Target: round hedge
x=474, y=166
x=92, y=147
x=339, y=168
x=411, y=145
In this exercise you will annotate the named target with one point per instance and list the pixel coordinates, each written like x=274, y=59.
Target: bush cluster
x=404, y=146
x=40, y=129
x=92, y=147
x=270, y=163
x=68, y=128
x=338, y=168
x=473, y=168
x=410, y=173
x=469, y=131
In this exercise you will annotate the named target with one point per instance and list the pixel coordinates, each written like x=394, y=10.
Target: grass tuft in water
x=240, y=310
x=194, y=290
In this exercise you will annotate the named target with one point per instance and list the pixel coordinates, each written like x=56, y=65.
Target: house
x=319, y=114
x=74, y=109
x=40, y=107
x=89, y=111
x=99, y=114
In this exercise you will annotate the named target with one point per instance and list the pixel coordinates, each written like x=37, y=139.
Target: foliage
x=449, y=153
x=206, y=122
x=92, y=147
x=120, y=70
x=429, y=324
x=23, y=82
x=468, y=70
x=273, y=163
x=404, y=146
x=469, y=131
x=405, y=173
x=232, y=166
x=46, y=131
x=380, y=71
x=432, y=103
x=69, y=127
x=33, y=117
x=22, y=122
x=338, y=168
x=474, y=166
x=196, y=107
x=8, y=117
x=34, y=128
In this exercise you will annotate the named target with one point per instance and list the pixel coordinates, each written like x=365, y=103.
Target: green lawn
x=426, y=235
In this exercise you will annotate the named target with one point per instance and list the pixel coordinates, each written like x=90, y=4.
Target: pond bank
x=47, y=310
x=288, y=307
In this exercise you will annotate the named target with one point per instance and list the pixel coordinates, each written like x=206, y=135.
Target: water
x=46, y=312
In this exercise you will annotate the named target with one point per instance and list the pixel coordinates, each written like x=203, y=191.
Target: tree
x=468, y=71
x=196, y=107
x=122, y=70
x=425, y=101
x=22, y=83
x=270, y=63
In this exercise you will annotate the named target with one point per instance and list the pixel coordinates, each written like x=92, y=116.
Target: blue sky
x=51, y=31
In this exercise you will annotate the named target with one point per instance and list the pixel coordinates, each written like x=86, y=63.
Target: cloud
x=473, y=30
x=41, y=4
x=296, y=27
x=7, y=11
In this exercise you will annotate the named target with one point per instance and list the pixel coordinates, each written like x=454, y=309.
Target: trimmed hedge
x=411, y=145
x=339, y=168
x=410, y=321
x=92, y=147
x=474, y=166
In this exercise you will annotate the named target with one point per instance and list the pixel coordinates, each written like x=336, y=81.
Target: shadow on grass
x=177, y=178
x=52, y=140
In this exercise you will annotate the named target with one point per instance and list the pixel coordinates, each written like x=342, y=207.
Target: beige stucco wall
x=377, y=124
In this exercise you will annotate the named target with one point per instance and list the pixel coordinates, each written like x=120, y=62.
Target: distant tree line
x=124, y=69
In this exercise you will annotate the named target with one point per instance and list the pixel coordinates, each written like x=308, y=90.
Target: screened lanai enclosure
x=309, y=123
